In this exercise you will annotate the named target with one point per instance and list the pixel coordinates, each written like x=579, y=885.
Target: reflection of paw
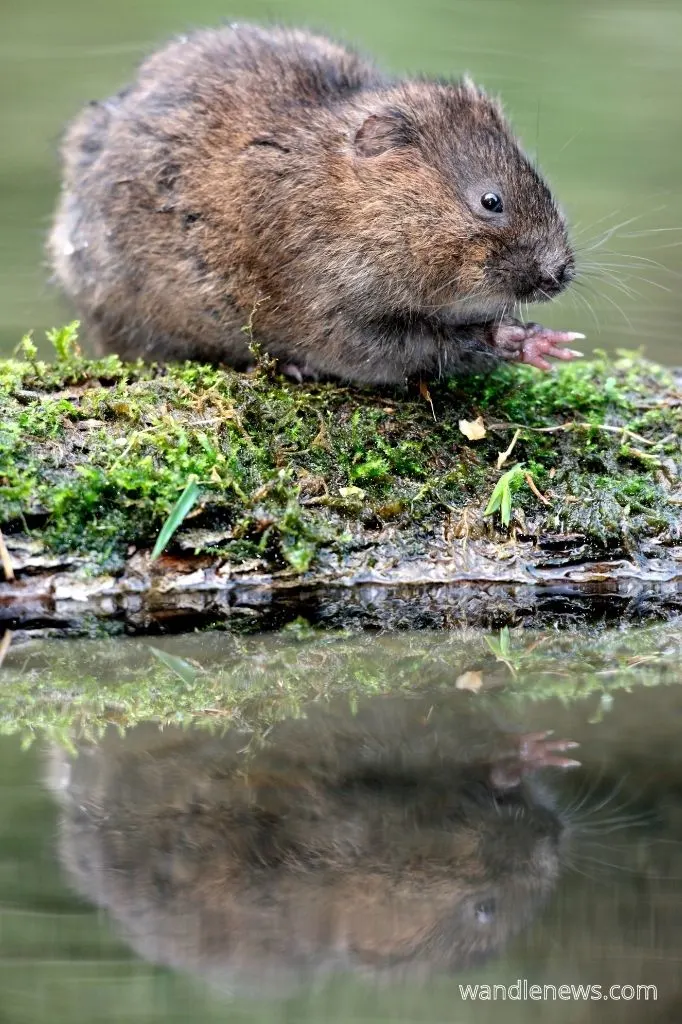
x=531, y=343
x=535, y=750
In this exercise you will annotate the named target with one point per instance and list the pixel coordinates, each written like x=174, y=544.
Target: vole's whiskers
x=588, y=821
x=592, y=244
x=620, y=270
x=583, y=795
x=579, y=229
x=609, y=270
x=609, y=277
x=571, y=141
x=585, y=858
x=650, y=231
x=577, y=293
x=571, y=866
x=636, y=259
x=615, y=825
x=438, y=290
x=608, y=298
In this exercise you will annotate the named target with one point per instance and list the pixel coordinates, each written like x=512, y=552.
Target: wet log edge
x=187, y=591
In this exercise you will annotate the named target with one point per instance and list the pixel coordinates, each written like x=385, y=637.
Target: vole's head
x=457, y=209
x=452, y=890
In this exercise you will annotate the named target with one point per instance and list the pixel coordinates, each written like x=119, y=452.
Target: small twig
x=665, y=440
x=503, y=456
x=574, y=425
x=321, y=439
x=6, y=561
x=625, y=431
x=535, y=430
x=542, y=640
x=538, y=494
x=5, y=645
x=642, y=659
x=629, y=450
x=426, y=394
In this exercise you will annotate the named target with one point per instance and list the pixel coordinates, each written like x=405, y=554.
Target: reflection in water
x=344, y=830
x=398, y=839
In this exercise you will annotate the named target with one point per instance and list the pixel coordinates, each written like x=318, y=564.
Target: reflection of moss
x=219, y=680
x=94, y=453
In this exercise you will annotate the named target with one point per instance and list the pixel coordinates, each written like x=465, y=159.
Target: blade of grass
x=178, y=513
x=506, y=505
x=501, y=498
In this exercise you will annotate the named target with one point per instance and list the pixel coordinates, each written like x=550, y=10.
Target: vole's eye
x=484, y=911
x=492, y=202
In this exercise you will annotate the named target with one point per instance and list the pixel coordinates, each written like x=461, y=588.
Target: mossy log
x=337, y=503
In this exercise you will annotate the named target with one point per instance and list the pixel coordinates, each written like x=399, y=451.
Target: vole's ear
x=390, y=129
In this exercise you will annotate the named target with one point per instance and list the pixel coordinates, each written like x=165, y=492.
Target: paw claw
x=537, y=750
x=533, y=344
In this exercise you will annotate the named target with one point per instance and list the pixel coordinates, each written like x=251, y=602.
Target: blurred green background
x=593, y=86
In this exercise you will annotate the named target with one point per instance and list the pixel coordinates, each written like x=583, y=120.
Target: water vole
x=395, y=839
x=370, y=230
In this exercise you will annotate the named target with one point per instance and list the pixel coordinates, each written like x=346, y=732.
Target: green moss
x=94, y=454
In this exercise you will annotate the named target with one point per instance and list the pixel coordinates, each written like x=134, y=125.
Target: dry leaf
x=470, y=681
x=503, y=456
x=473, y=429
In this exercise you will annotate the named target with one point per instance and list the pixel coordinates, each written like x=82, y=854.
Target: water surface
x=112, y=847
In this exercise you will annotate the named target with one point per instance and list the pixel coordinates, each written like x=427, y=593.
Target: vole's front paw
x=535, y=750
x=531, y=343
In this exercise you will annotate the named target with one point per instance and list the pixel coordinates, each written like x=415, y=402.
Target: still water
x=343, y=828
x=593, y=87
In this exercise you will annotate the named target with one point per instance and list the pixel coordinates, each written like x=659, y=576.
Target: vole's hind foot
x=533, y=344
x=299, y=374
x=292, y=371
x=535, y=750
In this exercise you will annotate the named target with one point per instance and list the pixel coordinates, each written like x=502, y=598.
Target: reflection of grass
x=502, y=649
x=250, y=682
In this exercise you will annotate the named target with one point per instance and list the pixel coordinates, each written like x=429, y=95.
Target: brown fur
x=272, y=170
x=364, y=842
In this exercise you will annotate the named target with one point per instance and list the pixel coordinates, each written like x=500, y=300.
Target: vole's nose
x=555, y=280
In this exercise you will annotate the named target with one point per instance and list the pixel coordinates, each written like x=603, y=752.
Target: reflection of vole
x=367, y=229
x=392, y=838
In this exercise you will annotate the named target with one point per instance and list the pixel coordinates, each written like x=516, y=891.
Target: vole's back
x=149, y=236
